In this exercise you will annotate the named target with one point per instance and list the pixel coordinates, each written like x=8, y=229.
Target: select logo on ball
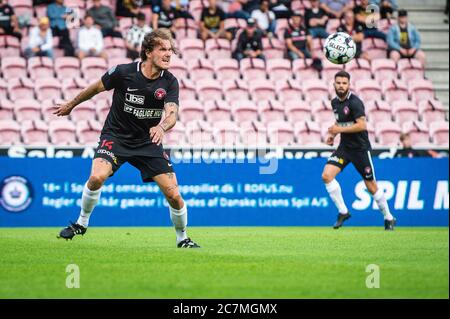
x=16, y=194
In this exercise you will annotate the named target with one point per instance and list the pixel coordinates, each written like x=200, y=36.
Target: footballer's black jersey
x=346, y=113
x=137, y=104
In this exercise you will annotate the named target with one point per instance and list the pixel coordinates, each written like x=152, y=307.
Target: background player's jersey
x=346, y=113
x=138, y=102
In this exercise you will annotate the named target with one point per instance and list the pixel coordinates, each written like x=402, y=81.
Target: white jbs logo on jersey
x=135, y=99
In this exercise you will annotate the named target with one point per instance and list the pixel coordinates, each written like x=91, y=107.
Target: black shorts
x=154, y=163
x=361, y=159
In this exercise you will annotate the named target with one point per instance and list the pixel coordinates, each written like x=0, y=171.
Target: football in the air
x=339, y=48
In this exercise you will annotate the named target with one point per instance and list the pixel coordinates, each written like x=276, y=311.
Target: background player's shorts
x=117, y=154
x=361, y=159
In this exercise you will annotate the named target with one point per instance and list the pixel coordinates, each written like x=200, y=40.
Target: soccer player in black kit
x=134, y=129
x=354, y=148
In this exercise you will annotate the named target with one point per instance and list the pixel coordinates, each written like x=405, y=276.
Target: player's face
x=341, y=86
x=161, y=55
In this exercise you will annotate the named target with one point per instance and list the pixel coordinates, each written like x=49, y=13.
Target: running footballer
x=354, y=148
x=144, y=107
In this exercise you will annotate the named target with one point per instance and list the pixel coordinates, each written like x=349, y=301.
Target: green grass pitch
x=235, y=262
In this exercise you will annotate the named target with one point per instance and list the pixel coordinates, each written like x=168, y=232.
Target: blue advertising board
x=46, y=192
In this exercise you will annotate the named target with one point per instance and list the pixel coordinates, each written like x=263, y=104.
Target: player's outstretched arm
x=169, y=121
x=86, y=94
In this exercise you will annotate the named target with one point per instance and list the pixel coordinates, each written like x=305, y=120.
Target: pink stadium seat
x=288, y=90
x=186, y=29
x=303, y=71
x=330, y=69
x=200, y=69
x=196, y=7
x=192, y=49
x=13, y=67
x=218, y=49
x=9, y=132
x=394, y=89
x=115, y=47
x=404, y=111
x=6, y=109
x=298, y=111
x=73, y=86
x=243, y=110
x=378, y=111
x=368, y=90
x=40, y=67
x=273, y=48
x=178, y=67
x=93, y=67
x=62, y=132
x=332, y=25
x=9, y=46
x=315, y=90
x=27, y=109
x=270, y=111
x=176, y=135
x=372, y=135
x=20, y=88
x=262, y=90
x=209, y=90
x=35, y=132
x=125, y=24
x=439, y=133
x=102, y=108
x=282, y=25
x=191, y=110
x=410, y=70
x=3, y=88
x=279, y=69
x=418, y=132
x=187, y=89
x=48, y=107
x=253, y=69
x=307, y=133
x=376, y=48
x=253, y=133
x=88, y=132
x=235, y=90
x=199, y=134
x=321, y=111
x=83, y=112
x=226, y=133
x=431, y=111
x=217, y=110
x=384, y=69
x=48, y=88
x=67, y=67
x=388, y=133
x=226, y=69
x=359, y=69
x=421, y=89
x=281, y=133
x=22, y=7
x=112, y=62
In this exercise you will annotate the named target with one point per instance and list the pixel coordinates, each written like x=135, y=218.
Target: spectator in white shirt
x=90, y=40
x=265, y=18
x=40, y=40
x=135, y=36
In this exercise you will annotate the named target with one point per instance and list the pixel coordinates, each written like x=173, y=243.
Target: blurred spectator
x=212, y=22
x=336, y=8
x=404, y=40
x=135, y=36
x=281, y=8
x=165, y=17
x=182, y=7
x=236, y=10
x=446, y=12
x=408, y=151
x=250, y=42
x=38, y=2
x=298, y=39
x=8, y=21
x=57, y=13
x=90, y=40
x=356, y=30
x=104, y=17
x=387, y=7
x=316, y=20
x=368, y=18
x=128, y=8
x=40, y=40
x=265, y=19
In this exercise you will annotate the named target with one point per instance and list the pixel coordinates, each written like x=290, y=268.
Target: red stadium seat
x=439, y=133
x=431, y=111
x=20, y=88
x=384, y=69
x=281, y=133
x=273, y=48
x=243, y=110
x=40, y=67
x=218, y=49
x=322, y=111
x=298, y=111
x=279, y=70
x=209, y=90
x=405, y=111
x=226, y=69
x=48, y=88
x=378, y=111
x=315, y=90
x=27, y=109
x=226, y=133
x=13, y=67
x=191, y=110
x=192, y=49
x=253, y=133
x=288, y=90
x=307, y=133
x=217, y=111
x=303, y=71
x=253, y=69
x=271, y=111
x=368, y=90
x=88, y=132
x=67, y=67
x=394, y=90
x=6, y=109
x=83, y=112
x=410, y=70
x=235, y=90
x=200, y=69
x=418, y=132
x=35, y=132
x=388, y=133
x=9, y=132
x=262, y=90
x=421, y=89
x=62, y=132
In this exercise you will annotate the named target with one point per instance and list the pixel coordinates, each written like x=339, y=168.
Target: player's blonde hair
x=153, y=39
